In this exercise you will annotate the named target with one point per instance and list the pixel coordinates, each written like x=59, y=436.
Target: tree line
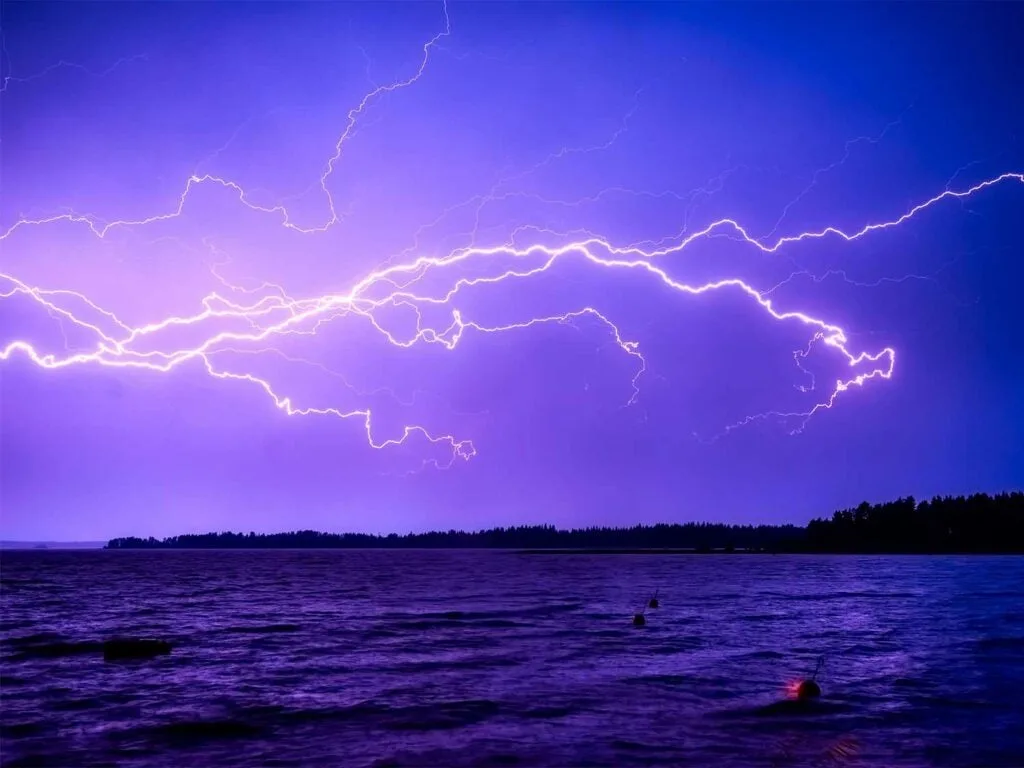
x=973, y=524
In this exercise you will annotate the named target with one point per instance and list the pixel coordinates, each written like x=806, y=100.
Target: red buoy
x=808, y=689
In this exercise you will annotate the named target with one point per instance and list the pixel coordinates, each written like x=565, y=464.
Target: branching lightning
x=8, y=79
x=245, y=321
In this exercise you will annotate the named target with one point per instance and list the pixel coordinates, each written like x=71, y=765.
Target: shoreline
x=541, y=552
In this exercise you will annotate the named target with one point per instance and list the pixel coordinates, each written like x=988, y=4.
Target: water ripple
x=398, y=658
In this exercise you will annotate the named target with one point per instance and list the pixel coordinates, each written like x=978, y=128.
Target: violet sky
x=529, y=128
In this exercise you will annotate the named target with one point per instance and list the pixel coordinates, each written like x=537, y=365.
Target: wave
x=205, y=730
x=1015, y=643
x=263, y=630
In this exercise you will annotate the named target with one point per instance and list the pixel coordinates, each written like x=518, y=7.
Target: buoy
x=134, y=648
x=639, y=620
x=653, y=603
x=808, y=689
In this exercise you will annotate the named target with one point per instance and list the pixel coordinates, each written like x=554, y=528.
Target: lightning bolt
x=816, y=177
x=101, y=229
x=229, y=326
x=8, y=79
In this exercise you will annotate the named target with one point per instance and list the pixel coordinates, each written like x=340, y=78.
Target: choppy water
x=390, y=658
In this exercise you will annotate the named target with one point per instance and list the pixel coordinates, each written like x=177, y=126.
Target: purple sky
x=543, y=161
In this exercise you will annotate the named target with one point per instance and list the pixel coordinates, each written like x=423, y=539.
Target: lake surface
x=439, y=658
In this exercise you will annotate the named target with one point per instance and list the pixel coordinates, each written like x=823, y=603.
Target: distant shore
x=699, y=552
x=4, y=545
x=979, y=524
x=613, y=551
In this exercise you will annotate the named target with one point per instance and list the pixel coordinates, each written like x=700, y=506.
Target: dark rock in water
x=639, y=620
x=134, y=648
x=654, y=603
x=808, y=689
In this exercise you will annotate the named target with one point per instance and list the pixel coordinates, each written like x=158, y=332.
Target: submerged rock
x=134, y=648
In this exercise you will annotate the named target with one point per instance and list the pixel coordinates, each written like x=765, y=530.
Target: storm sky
x=399, y=267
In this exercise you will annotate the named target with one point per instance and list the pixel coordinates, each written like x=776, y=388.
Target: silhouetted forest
x=973, y=524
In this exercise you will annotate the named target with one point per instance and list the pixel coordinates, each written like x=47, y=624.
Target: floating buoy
x=808, y=689
x=639, y=620
x=653, y=602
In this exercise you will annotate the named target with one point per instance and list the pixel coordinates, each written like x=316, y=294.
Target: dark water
x=488, y=658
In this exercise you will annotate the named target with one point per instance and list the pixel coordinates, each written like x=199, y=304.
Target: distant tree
x=975, y=524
